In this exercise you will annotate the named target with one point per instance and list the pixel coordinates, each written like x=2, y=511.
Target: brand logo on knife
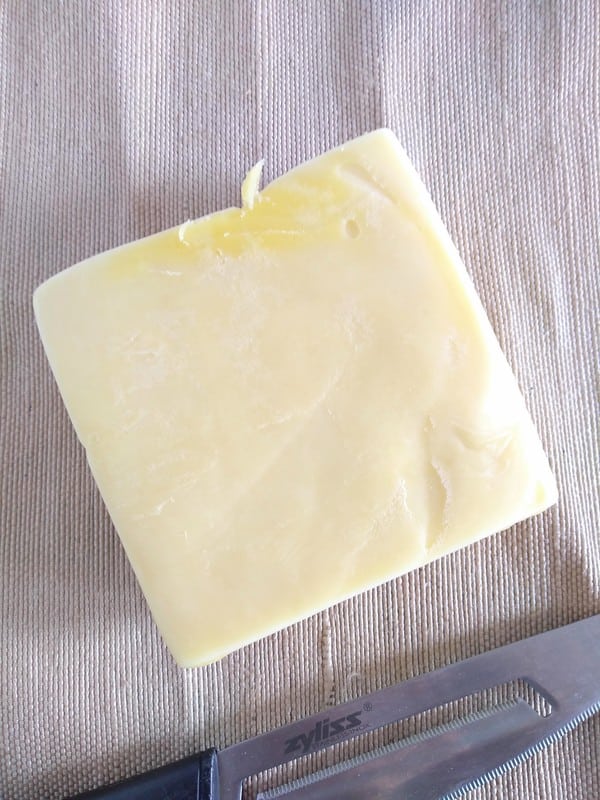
x=324, y=729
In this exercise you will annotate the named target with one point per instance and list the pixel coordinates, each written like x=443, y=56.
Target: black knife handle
x=192, y=778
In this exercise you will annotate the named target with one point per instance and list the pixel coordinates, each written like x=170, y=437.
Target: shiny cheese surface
x=288, y=403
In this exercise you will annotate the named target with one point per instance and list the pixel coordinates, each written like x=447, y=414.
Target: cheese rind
x=288, y=403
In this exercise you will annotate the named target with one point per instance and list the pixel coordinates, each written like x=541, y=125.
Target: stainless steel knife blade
x=562, y=666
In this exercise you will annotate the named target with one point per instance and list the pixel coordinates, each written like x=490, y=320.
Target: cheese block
x=287, y=403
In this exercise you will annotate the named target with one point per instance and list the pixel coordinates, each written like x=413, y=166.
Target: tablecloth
x=119, y=119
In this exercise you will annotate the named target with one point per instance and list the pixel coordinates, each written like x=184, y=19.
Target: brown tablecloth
x=118, y=119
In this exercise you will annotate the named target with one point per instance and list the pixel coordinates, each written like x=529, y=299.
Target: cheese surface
x=288, y=403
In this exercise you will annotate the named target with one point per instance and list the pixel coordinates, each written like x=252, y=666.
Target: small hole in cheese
x=352, y=229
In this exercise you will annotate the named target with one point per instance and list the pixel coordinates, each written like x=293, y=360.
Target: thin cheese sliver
x=288, y=403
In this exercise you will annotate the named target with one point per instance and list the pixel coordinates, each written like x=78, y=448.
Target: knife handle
x=191, y=778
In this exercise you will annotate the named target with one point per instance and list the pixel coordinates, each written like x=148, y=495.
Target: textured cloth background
x=119, y=119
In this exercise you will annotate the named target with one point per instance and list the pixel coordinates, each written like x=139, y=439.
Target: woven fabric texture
x=119, y=119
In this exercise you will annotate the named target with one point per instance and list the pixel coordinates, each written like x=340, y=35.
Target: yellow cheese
x=288, y=403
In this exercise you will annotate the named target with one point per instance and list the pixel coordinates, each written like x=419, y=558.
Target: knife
x=557, y=675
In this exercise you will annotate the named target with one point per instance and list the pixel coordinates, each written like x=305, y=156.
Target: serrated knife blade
x=562, y=665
